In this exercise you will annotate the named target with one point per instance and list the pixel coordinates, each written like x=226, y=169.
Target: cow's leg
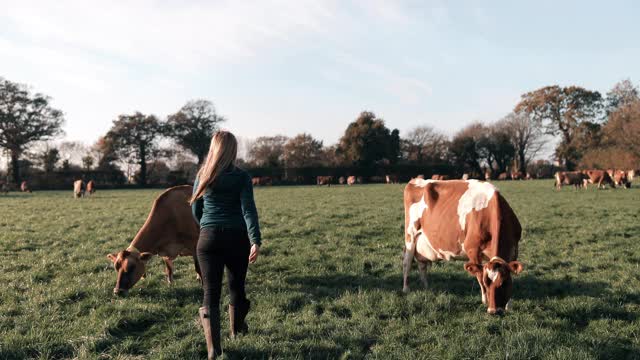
x=197, y=266
x=409, y=253
x=168, y=269
x=423, y=267
x=482, y=289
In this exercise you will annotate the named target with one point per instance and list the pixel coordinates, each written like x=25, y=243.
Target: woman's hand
x=253, y=256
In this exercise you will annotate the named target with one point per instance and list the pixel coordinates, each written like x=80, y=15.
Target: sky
x=287, y=67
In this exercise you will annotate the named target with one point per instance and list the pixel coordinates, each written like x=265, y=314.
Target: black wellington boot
x=211, y=326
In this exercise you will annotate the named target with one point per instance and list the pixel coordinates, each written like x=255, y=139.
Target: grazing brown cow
x=24, y=187
x=324, y=180
x=351, y=180
x=78, y=189
x=575, y=178
x=342, y=180
x=169, y=231
x=91, y=187
x=504, y=176
x=599, y=177
x=467, y=220
x=391, y=179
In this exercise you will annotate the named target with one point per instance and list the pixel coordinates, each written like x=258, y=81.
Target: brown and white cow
x=351, y=180
x=620, y=178
x=169, y=231
x=24, y=187
x=91, y=187
x=391, y=179
x=262, y=181
x=342, y=180
x=599, y=177
x=78, y=189
x=324, y=180
x=576, y=178
x=467, y=220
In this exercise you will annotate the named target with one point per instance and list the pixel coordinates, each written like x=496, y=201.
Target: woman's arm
x=198, y=205
x=250, y=212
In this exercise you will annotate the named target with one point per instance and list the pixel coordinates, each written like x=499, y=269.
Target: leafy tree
x=465, y=148
x=526, y=135
x=425, y=144
x=623, y=128
x=24, y=119
x=303, y=151
x=495, y=146
x=367, y=141
x=268, y=150
x=622, y=93
x=87, y=162
x=103, y=150
x=134, y=138
x=193, y=126
x=562, y=109
x=49, y=158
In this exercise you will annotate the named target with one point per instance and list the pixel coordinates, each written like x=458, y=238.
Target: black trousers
x=219, y=247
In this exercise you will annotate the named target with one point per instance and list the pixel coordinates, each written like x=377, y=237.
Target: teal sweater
x=228, y=202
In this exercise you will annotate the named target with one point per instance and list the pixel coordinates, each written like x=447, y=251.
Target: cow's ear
x=473, y=269
x=516, y=267
x=112, y=257
x=145, y=256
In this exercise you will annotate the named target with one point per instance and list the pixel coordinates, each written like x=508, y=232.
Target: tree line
x=591, y=130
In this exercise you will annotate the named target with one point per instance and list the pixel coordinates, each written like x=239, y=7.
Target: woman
x=223, y=205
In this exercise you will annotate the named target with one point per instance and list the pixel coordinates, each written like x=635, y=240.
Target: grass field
x=327, y=284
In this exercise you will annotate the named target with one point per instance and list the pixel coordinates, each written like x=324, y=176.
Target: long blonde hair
x=222, y=154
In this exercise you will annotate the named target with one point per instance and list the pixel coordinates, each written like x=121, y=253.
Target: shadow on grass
x=525, y=287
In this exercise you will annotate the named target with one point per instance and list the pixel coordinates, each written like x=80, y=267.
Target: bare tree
x=424, y=143
x=526, y=134
x=268, y=150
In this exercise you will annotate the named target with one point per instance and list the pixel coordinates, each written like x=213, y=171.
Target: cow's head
x=130, y=266
x=497, y=279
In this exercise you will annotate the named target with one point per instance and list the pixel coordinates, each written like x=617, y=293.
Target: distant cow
x=620, y=178
x=324, y=180
x=78, y=189
x=439, y=177
x=466, y=220
x=24, y=187
x=91, y=187
x=575, y=178
x=599, y=178
x=342, y=180
x=391, y=179
x=504, y=176
x=169, y=231
x=516, y=175
x=261, y=181
x=630, y=175
x=351, y=180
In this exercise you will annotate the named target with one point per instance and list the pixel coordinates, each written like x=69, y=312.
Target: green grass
x=327, y=284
